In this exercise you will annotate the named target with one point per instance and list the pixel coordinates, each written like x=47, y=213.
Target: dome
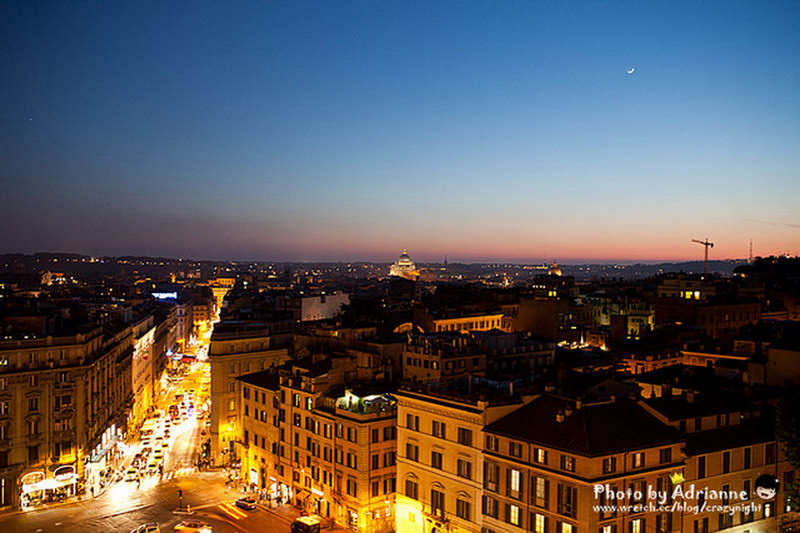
x=554, y=270
x=404, y=267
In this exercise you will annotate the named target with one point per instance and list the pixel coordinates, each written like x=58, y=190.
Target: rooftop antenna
x=708, y=245
x=750, y=261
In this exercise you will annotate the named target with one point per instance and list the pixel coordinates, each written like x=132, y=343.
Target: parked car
x=246, y=503
x=131, y=474
x=193, y=526
x=147, y=528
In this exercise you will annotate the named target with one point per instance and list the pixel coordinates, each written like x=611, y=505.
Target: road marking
x=233, y=511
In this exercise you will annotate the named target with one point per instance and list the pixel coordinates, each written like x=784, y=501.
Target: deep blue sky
x=349, y=130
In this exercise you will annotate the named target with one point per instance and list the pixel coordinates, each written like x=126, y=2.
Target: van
x=307, y=524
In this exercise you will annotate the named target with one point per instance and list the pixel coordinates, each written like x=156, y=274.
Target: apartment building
x=440, y=458
x=61, y=399
x=551, y=464
x=441, y=357
x=327, y=449
x=238, y=348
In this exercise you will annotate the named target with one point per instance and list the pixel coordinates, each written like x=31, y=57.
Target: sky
x=328, y=131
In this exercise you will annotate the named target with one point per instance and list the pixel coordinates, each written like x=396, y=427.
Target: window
x=701, y=467
x=637, y=525
x=664, y=522
x=352, y=487
x=769, y=454
x=513, y=481
x=567, y=500
x=439, y=429
x=463, y=509
x=637, y=461
x=389, y=433
x=412, y=422
x=33, y=427
x=491, y=476
x=3, y=407
x=609, y=465
x=464, y=469
x=539, y=489
x=465, y=436
x=539, y=523
x=491, y=443
x=747, y=454
x=515, y=449
x=231, y=386
x=701, y=525
x=512, y=514
x=611, y=528
x=665, y=455
x=726, y=462
x=412, y=452
x=376, y=461
x=33, y=404
x=412, y=489
x=568, y=463
x=33, y=454
x=437, y=502
x=376, y=488
x=490, y=506
x=540, y=456
x=436, y=460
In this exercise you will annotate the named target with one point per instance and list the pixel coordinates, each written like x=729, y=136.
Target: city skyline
x=307, y=131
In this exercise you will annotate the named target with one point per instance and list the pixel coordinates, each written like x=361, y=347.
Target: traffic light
x=180, y=493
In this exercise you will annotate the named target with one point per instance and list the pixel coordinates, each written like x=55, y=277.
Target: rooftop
x=591, y=430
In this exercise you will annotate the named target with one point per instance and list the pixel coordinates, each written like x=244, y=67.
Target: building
x=404, y=267
x=442, y=357
x=440, y=458
x=327, y=449
x=62, y=400
x=237, y=348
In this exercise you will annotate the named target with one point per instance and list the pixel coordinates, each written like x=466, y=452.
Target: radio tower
x=750, y=261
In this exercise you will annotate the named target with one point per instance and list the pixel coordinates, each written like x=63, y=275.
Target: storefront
x=279, y=493
x=101, y=464
x=37, y=489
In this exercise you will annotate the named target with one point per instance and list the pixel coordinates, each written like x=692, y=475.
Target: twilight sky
x=349, y=130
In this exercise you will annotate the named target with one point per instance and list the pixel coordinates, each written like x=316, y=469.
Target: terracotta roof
x=594, y=429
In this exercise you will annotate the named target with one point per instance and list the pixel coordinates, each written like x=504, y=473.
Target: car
x=307, y=524
x=191, y=392
x=193, y=526
x=146, y=441
x=248, y=503
x=158, y=456
x=166, y=433
x=131, y=474
x=147, y=450
x=159, y=440
x=147, y=528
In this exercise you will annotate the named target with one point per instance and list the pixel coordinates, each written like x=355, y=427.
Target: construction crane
x=708, y=245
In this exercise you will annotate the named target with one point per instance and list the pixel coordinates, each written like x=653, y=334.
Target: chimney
x=568, y=411
x=559, y=417
x=578, y=405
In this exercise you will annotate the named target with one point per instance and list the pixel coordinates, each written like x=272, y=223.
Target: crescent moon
x=631, y=70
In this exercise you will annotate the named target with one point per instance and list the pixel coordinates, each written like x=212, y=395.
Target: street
x=174, y=442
